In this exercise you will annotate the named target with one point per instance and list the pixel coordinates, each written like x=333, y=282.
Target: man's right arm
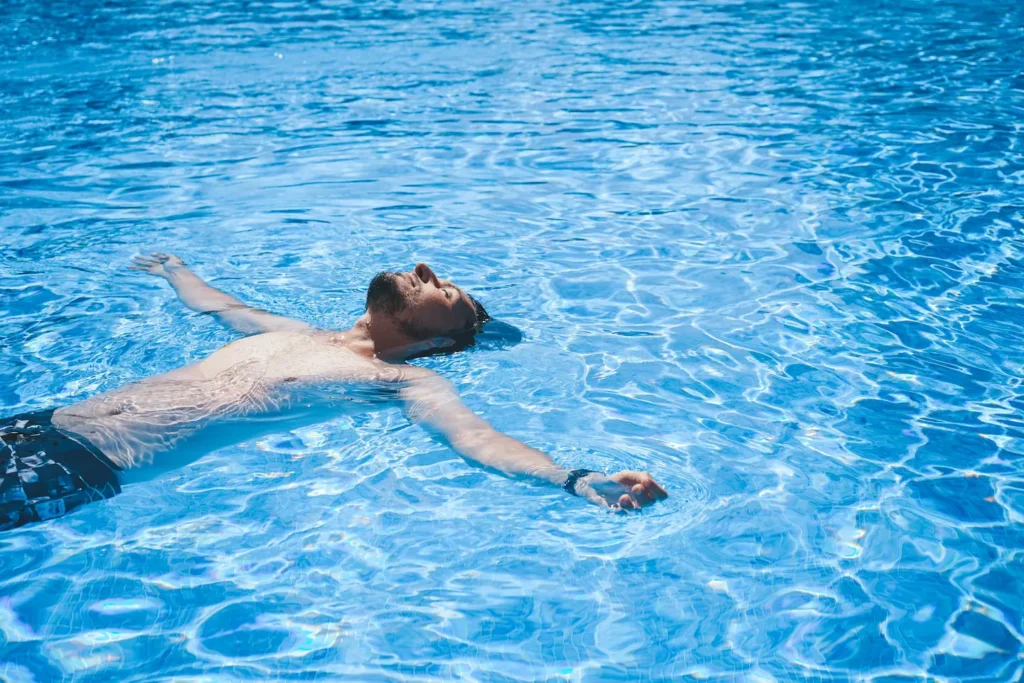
x=203, y=298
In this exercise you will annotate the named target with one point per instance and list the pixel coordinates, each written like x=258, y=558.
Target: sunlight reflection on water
x=771, y=253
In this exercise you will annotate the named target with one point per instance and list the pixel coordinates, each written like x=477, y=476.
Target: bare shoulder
x=356, y=364
x=359, y=364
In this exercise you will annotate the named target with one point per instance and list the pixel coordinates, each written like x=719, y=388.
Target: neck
x=382, y=338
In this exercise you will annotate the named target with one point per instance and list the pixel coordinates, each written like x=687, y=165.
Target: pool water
x=771, y=252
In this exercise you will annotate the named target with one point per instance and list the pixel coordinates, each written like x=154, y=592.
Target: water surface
x=771, y=252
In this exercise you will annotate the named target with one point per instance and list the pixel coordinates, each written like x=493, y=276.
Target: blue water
x=771, y=252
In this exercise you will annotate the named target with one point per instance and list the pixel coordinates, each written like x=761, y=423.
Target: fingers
x=654, y=489
x=641, y=495
x=143, y=263
x=152, y=258
x=634, y=500
x=630, y=491
x=631, y=478
x=623, y=503
x=154, y=262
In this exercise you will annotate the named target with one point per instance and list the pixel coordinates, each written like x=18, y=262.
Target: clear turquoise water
x=771, y=252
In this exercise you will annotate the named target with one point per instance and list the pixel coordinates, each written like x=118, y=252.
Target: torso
x=253, y=386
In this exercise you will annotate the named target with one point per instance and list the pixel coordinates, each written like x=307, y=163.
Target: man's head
x=422, y=307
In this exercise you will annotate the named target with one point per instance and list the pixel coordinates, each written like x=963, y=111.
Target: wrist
x=554, y=475
x=574, y=480
x=172, y=273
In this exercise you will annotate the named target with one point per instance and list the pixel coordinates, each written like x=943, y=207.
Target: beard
x=383, y=295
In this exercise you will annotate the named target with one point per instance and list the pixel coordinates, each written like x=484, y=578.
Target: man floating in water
x=285, y=374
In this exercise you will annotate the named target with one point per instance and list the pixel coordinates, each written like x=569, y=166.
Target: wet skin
x=287, y=374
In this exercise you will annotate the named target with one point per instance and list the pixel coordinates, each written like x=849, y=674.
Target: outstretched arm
x=432, y=402
x=203, y=298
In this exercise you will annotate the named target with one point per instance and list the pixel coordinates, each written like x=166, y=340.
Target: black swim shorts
x=45, y=473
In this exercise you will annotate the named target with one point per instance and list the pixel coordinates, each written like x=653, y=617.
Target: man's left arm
x=432, y=402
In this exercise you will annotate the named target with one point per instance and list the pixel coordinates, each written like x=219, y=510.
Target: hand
x=626, y=490
x=160, y=265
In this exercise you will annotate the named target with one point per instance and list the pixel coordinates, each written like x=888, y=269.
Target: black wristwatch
x=572, y=478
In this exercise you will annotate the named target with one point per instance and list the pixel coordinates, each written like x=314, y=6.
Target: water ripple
x=770, y=252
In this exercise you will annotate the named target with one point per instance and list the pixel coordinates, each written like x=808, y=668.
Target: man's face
x=421, y=304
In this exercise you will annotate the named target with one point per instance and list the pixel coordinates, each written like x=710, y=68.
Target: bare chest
x=288, y=357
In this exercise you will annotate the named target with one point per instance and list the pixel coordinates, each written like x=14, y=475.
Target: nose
x=424, y=273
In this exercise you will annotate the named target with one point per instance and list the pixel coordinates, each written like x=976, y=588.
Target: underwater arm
x=203, y=298
x=433, y=403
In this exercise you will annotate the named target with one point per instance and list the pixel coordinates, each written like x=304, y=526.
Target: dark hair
x=481, y=314
x=485, y=333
